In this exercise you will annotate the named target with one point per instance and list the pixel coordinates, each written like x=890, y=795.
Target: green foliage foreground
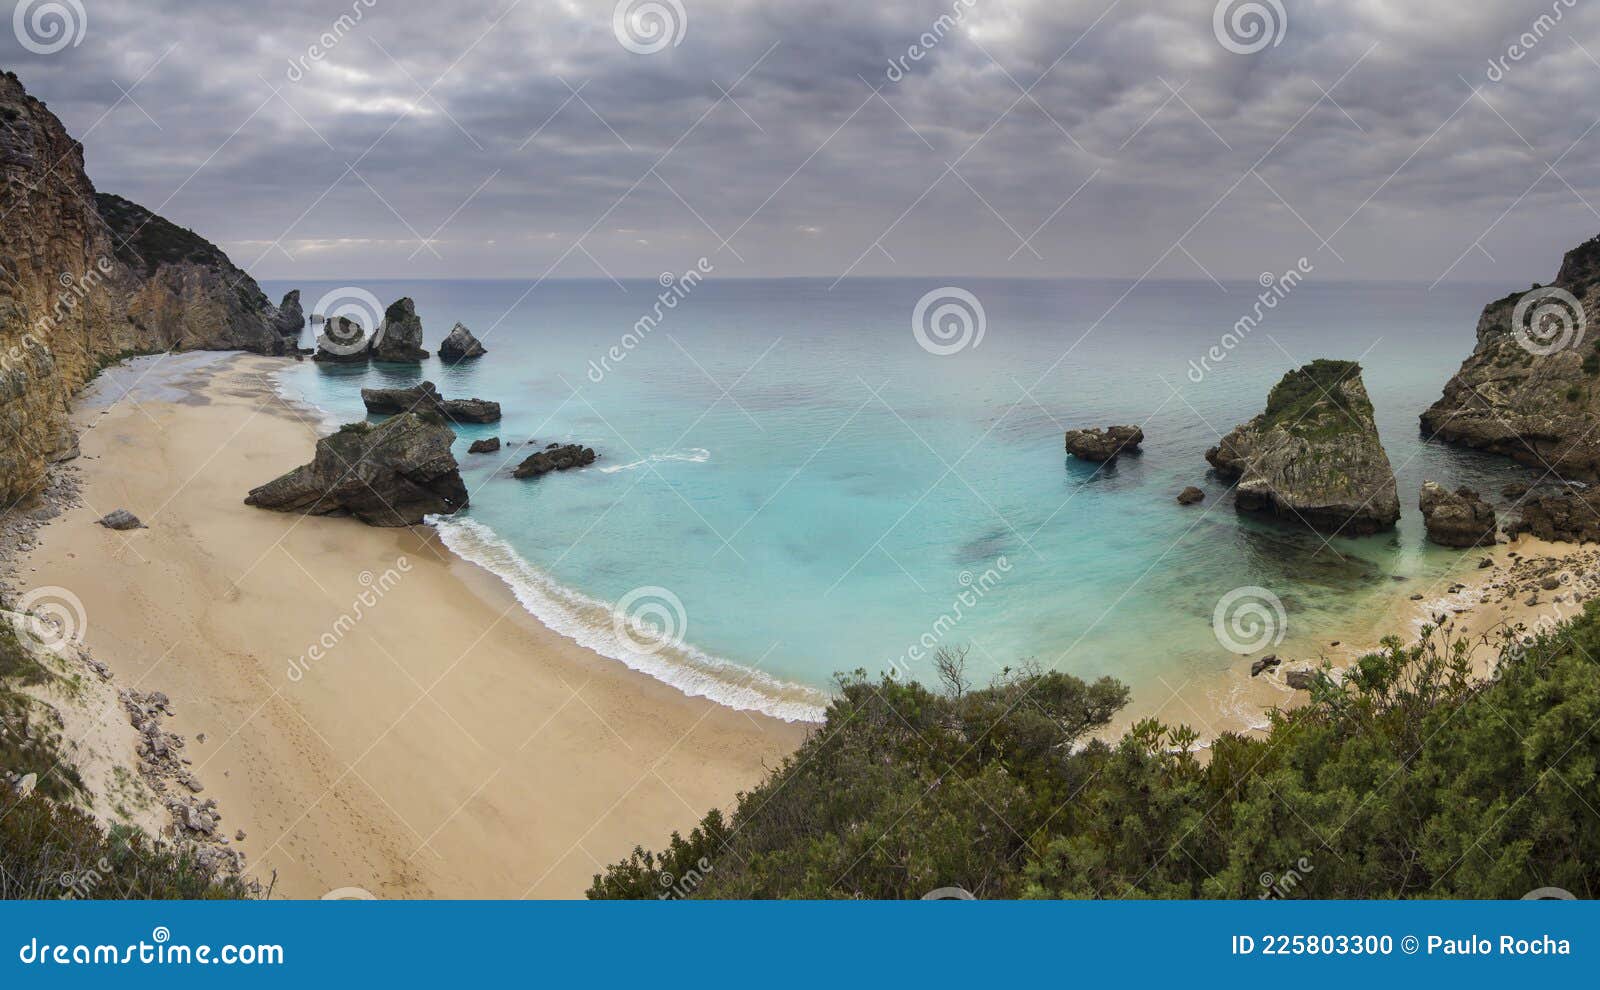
x=1412, y=778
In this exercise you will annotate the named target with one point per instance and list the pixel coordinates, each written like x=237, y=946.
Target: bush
x=1412, y=778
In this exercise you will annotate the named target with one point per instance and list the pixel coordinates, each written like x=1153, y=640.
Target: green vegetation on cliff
x=1411, y=779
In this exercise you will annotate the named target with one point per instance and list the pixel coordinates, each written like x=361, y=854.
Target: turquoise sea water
x=817, y=489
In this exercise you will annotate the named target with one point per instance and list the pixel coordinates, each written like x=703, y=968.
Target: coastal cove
x=832, y=508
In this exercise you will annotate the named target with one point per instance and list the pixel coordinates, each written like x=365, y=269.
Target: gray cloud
x=461, y=119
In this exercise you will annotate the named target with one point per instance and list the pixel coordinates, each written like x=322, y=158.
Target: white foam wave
x=692, y=455
x=588, y=622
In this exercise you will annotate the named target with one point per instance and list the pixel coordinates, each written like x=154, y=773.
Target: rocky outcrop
x=488, y=446
x=425, y=396
x=189, y=296
x=1530, y=389
x=399, y=337
x=1104, y=445
x=341, y=341
x=1570, y=516
x=390, y=474
x=75, y=294
x=291, y=320
x=556, y=457
x=1313, y=457
x=460, y=345
x=1456, y=519
x=1191, y=496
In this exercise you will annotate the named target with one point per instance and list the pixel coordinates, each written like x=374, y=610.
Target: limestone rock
x=399, y=336
x=120, y=519
x=291, y=320
x=1530, y=389
x=460, y=345
x=390, y=474
x=557, y=457
x=1313, y=457
x=1191, y=496
x=1104, y=445
x=1571, y=516
x=488, y=446
x=1456, y=519
x=342, y=341
x=425, y=396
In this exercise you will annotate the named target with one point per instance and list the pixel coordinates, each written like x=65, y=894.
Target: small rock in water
x=1190, y=495
x=488, y=446
x=121, y=519
x=1485, y=562
x=1265, y=663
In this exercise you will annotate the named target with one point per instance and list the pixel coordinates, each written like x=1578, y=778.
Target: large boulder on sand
x=425, y=396
x=399, y=336
x=390, y=474
x=1104, y=445
x=1313, y=457
x=1456, y=519
x=460, y=345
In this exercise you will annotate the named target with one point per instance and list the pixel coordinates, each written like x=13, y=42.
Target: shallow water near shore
x=823, y=494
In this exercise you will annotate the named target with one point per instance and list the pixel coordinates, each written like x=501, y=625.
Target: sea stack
x=1313, y=457
x=393, y=473
x=342, y=341
x=1529, y=388
x=460, y=345
x=291, y=318
x=399, y=336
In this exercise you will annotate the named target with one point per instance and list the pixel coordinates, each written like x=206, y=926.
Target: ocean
x=796, y=478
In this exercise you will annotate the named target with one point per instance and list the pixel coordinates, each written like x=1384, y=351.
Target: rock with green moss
x=1313, y=458
x=1530, y=389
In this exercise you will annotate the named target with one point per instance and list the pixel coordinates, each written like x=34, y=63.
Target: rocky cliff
x=1313, y=457
x=1530, y=389
x=85, y=279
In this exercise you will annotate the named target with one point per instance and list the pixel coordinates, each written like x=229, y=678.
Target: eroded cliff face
x=1530, y=389
x=76, y=293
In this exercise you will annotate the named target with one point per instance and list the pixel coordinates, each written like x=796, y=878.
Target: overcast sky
x=1033, y=138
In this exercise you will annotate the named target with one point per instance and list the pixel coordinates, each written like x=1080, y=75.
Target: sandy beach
x=444, y=744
